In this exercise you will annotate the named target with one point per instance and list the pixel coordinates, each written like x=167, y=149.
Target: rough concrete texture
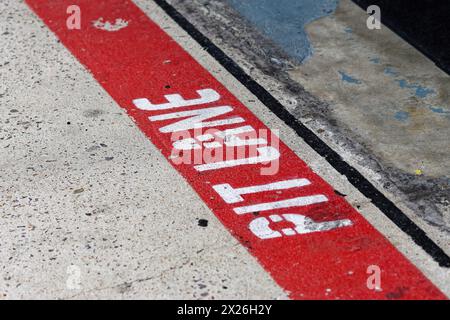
x=85, y=196
x=372, y=97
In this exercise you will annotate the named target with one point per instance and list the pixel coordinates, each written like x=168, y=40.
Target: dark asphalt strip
x=424, y=24
x=354, y=176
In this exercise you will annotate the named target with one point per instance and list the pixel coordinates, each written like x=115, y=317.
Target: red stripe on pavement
x=310, y=240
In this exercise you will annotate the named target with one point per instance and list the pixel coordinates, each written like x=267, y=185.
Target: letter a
x=74, y=20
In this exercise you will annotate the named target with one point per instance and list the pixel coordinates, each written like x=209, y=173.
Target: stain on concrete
x=375, y=60
x=348, y=30
x=397, y=294
x=93, y=113
x=348, y=78
x=419, y=91
x=439, y=110
x=77, y=191
x=390, y=71
x=401, y=115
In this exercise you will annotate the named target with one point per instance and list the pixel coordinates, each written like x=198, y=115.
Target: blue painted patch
x=420, y=91
x=401, y=116
x=284, y=21
x=348, y=30
x=375, y=60
x=348, y=78
x=439, y=110
x=390, y=72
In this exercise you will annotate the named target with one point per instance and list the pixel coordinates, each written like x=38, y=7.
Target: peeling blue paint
x=401, y=116
x=348, y=30
x=348, y=78
x=420, y=91
x=375, y=60
x=391, y=71
x=284, y=21
x=439, y=110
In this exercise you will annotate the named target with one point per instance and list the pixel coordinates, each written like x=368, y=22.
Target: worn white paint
x=266, y=155
x=294, y=202
x=234, y=195
x=303, y=225
x=177, y=101
x=109, y=26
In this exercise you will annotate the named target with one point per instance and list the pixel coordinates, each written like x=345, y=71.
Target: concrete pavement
x=89, y=207
x=93, y=210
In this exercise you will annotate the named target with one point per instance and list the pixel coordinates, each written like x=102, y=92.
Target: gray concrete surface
x=367, y=93
x=83, y=194
x=90, y=209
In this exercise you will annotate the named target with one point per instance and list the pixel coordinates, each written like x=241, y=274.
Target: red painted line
x=140, y=61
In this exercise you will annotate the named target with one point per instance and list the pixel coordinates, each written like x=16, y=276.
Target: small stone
x=203, y=223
